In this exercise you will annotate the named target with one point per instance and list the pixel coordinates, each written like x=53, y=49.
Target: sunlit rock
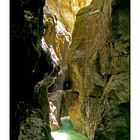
x=53, y=117
x=66, y=11
x=61, y=17
x=50, y=51
x=57, y=37
x=56, y=104
x=98, y=61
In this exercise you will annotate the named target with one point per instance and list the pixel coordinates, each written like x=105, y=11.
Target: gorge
x=69, y=70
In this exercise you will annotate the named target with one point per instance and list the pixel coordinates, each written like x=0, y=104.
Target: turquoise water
x=66, y=132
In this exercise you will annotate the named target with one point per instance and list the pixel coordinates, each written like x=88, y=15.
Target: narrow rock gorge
x=69, y=70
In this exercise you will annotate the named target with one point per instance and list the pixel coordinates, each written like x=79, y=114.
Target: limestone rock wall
x=98, y=59
x=66, y=10
x=61, y=17
x=57, y=36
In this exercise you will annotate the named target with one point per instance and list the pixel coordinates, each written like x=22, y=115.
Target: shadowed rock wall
x=28, y=65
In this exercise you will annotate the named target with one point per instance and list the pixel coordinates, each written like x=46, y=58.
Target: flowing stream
x=66, y=132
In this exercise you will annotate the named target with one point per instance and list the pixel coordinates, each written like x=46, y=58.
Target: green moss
x=45, y=24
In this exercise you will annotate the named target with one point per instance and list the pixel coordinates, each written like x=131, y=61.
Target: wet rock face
x=99, y=69
x=29, y=62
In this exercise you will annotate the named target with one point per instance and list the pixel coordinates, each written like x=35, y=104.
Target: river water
x=66, y=132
